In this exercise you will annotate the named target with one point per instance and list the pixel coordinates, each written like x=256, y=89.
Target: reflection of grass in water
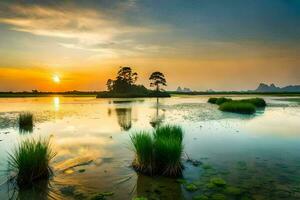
x=30, y=161
x=25, y=121
x=160, y=153
x=39, y=190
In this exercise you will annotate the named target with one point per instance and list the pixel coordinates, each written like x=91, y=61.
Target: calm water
x=258, y=156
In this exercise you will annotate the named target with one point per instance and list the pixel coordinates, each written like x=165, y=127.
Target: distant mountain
x=179, y=89
x=273, y=88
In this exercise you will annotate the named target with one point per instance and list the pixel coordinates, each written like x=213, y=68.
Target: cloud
x=82, y=28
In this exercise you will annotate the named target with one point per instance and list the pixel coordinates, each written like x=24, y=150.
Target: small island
x=124, y=86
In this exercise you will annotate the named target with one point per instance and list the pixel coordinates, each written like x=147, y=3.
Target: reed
x=31, y=161
x=160, y=152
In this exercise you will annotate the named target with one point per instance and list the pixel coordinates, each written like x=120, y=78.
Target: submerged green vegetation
x=244, y=106
x=30, y=161
x=158, y=153
x=25, y=121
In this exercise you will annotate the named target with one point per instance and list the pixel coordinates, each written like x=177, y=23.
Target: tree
x=127, y=75
x=110, y=84
x=157, y=79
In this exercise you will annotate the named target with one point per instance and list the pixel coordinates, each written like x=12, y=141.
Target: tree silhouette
x=157, y=79
x=110, y=85
x=126, y=75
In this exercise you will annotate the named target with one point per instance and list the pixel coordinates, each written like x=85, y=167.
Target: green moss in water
x=81, y=170
x=200, y=197
x=191, y=187
x=233, y=190
x=218, y=197
x=218, y=181
x=140, y=198
x=181, y=181
x=206, y=166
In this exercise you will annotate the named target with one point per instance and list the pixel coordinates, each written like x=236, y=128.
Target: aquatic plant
x=212, y=100
x=258, y=102
x=200, y=197
x=168, y=131
x=238, y=107
x=160, y=152
x=167, y=154
x=191, y=187
x=222, y=100
x=25, y=121
x=31, y=161
x=143, y=146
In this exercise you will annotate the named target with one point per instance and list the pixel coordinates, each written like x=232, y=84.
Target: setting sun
x=56, y=79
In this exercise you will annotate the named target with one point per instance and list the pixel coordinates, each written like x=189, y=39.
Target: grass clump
x=238, y=107
x=160, y=152
x=25, y=121
x=30, y=161
x=244, y=106
x=218, y=101
x=222, y=100
x=143, y=145
x=258, y=102
x=212, y=100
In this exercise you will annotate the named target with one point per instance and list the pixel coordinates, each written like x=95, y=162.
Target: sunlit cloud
x=86, y=27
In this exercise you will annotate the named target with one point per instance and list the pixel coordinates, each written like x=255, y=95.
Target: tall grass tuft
x=160, y=152
x=30, y=161
x=238, y=107
x=168, y=131
x=143, y=146
x=25, y=121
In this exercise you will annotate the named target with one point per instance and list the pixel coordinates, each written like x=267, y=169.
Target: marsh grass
x=168, y=131
x=222, y=100
x=218, y=101
x=243, y=106
x=159, y=153
x=30, y=161
x=212, y=100
x=238, y=107
x=25, y=121
x=257, y=102
x=143, y=146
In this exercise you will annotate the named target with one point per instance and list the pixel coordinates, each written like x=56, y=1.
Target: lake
x=257, y=156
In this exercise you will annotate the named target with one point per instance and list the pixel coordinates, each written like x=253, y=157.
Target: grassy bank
x=158, y=153
x=30, y=161
x=244, y=106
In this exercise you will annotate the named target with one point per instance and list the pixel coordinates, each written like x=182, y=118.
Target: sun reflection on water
x=56, y=103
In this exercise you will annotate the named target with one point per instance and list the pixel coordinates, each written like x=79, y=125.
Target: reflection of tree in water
x=124, y=118
x=158, y=188
x=157, y=119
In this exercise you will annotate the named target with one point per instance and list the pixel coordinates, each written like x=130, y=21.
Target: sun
x=56, y=79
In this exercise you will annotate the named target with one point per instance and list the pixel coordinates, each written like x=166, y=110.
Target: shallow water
x=257, y=156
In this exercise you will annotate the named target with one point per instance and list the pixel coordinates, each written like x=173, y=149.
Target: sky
x=200, y=44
